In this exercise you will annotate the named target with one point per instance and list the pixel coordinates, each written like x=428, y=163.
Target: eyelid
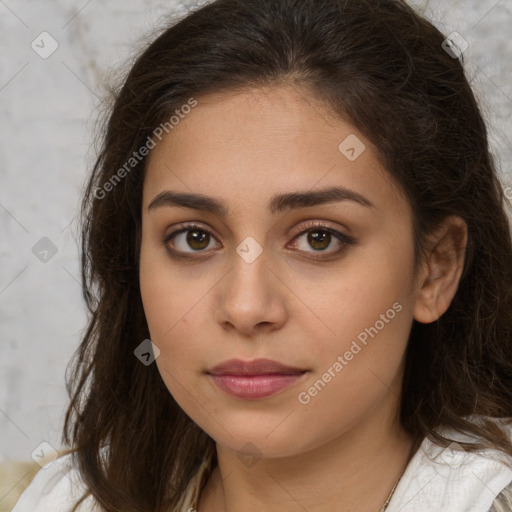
x=316, y=224
x=184, y=226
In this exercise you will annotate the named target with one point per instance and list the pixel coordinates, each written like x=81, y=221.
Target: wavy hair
x=383, y=67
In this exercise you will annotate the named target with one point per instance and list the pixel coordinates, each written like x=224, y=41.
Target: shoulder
x=451, y=478
x=56, y=487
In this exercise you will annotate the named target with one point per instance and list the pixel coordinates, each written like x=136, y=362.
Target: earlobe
x=440, y=275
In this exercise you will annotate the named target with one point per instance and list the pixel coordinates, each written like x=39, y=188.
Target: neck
x=355, y=471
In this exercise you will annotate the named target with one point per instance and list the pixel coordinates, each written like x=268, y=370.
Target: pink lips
x=254, y=379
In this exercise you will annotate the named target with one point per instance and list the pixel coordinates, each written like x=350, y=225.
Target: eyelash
x=344, y=239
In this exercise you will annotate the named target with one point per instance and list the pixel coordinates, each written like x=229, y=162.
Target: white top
x=436, y=480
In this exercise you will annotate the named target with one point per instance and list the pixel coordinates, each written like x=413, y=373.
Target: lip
x=252, y=380
x=255, y=387
x=256, y=367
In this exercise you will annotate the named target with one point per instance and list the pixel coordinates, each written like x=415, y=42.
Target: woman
x=299, y=270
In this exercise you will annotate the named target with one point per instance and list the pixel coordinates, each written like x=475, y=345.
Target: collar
x=439, y=479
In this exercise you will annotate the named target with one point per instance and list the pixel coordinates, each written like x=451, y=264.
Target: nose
x=251, y=298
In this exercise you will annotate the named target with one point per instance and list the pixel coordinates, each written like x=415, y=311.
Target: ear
x=440, y=274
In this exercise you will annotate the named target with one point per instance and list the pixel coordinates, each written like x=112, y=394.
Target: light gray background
x=48, y=107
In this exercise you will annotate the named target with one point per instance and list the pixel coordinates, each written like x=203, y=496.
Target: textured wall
x=47, y=107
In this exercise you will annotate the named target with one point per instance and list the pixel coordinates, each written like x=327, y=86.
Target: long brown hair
x=376, y=63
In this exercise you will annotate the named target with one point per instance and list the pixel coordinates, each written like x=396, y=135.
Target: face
x=323, y=284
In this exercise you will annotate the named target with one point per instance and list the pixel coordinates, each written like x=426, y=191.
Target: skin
x=345, y=449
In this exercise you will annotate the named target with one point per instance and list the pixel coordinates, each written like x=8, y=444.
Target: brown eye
x=192, y=238
x=322, y=240
x=319, y=239
x=197, y=239
x=189, y=239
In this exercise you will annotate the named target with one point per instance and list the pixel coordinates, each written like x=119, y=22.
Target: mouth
x=256, y=379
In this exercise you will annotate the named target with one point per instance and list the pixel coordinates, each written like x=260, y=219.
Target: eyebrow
x=277, y=204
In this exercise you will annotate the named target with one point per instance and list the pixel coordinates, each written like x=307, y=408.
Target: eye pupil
x=317, y=240
x=196, y=236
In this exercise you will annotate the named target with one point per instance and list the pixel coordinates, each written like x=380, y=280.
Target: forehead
x=263, y=141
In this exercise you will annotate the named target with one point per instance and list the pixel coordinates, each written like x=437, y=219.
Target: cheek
x=355, y=298
x=165, y=305
x=173, y=304
x=356, y=369
x=366, y=311
x=159, y=292
x=164, y=292
x=158, y=304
